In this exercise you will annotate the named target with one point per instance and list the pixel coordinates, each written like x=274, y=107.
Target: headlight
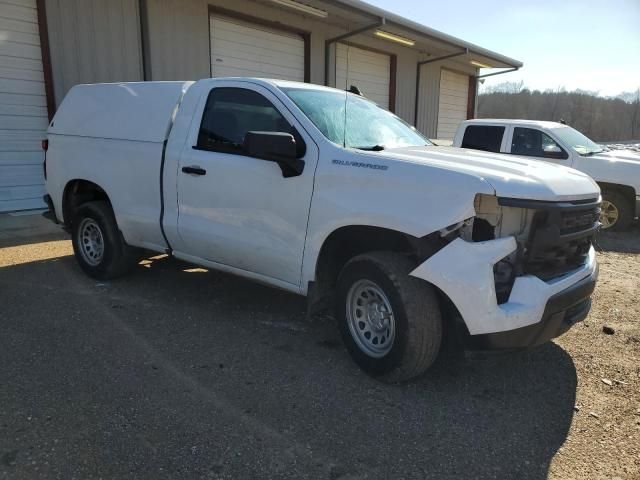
x=495, y=221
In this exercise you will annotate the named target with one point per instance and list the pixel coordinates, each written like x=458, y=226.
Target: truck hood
x=621, y=167
x=617, y=156
x=510, y=176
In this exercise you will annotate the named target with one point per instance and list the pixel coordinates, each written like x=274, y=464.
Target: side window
x=232, y=112
x=535, y=143
x=483, y=137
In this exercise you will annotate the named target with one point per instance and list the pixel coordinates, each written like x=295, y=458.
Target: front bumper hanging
x=464, y=272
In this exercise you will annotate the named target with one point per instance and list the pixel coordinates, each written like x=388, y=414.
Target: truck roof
x=140, y=111
x=513, y=121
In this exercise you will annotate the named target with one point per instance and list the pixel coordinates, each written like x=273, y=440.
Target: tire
x=615, y=205
x=98, y=244
x=409, y=348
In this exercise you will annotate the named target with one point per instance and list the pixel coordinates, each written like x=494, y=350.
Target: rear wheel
x=390, y=322
x=616, y=211
x=98, y=244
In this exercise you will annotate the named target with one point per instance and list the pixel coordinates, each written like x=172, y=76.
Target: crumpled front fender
x=464, y=272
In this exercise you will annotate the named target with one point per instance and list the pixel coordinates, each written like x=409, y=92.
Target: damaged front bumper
x=536, y=310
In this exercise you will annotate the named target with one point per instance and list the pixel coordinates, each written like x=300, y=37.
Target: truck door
x=532, y=142
x=239, y=211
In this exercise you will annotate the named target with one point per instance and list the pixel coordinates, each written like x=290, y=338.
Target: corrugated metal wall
x=100, y=40
x=93, y=41
x=179, y=43
x=178, y=40
x=427, y=121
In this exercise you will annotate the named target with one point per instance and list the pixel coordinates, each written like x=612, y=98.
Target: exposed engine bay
x=552, y=238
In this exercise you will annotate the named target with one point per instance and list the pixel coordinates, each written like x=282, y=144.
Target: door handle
x=194, y=170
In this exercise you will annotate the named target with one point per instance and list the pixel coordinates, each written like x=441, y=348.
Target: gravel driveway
x=177, y=372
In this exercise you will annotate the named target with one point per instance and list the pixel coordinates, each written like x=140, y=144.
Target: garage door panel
x=21, y=193
x=12, y=73
x=365, y=85
x=250, y=39
x=9, y=85
x=452, y=105
x=21, y=158
x=11, y=25
x=453, y=111
x=239, y=49
x=29, y=137
x=21, y=198
x=23, y=113
x=268, y=59
x=21, y=63
x=23, y=110
x=369, y=71
x=14, y=49
x=245, y=51
x=19, y=175
x=21, y=37
x=377, y=68
x=454, y=92
x=19, y=10
x=12, y=122
x=267, y=71
x=354, y=70
x=236, y=66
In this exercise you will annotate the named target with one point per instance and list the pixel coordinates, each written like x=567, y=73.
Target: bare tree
x=601, y=118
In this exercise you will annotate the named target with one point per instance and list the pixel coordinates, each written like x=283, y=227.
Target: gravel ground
x=176, y=372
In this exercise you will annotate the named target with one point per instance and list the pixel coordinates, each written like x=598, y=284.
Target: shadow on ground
x=27, y=229
x=176, y=372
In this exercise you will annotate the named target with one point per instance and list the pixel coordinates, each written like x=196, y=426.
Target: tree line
x=603, y=119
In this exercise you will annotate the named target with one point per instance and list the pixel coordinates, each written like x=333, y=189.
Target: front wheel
x=390, y=322
x=98, y=244
x=616, y=212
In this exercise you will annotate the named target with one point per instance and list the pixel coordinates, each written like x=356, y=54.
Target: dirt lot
x=176, y=372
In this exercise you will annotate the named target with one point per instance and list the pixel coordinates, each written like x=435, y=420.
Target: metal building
x=46, y=46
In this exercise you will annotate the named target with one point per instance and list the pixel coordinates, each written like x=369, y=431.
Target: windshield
x=577, y=141
x=364, y=125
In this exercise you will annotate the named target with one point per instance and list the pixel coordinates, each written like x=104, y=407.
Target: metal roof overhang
x=356, y=17
x=428, y=37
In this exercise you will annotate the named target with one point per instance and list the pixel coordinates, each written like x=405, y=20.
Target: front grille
x=559, y=241
x=560, y=238
x=579, y=220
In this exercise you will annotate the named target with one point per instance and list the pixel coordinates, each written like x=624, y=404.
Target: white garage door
x=23, y=112
x=454, y=91
x=242, y=50
x=369, y=71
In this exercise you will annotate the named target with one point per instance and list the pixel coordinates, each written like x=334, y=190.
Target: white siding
x=238, y=50
x=23, y=112
x=454, y=91
x=367, y=70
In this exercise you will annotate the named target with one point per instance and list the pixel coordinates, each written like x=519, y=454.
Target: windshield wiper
x=371, y=148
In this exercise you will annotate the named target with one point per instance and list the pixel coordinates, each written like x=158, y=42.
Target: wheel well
x=347, y=242
x=628, y=192
x=78, y=192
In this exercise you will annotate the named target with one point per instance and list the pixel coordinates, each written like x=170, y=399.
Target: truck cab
x=616, y=172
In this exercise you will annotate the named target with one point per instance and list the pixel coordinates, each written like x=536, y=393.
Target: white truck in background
x=617, y=172
x=322, y=193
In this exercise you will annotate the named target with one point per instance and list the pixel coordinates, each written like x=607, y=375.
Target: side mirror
x=555, y=152
x=278, y=147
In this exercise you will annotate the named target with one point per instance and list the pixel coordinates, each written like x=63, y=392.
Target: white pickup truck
x=617, y=172
x=324, y=194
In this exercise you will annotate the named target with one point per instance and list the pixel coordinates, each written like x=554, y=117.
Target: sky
x=576, y=44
